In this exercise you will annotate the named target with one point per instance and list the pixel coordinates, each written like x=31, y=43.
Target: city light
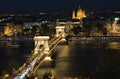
x=41, y=41
x=48, y=58
x=6, y=75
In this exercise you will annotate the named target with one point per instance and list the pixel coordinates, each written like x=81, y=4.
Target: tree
x=36, y=29
x=76, y=29
x=104, y=31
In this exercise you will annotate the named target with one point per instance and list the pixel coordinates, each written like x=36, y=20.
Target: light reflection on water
x=114, y=45
x=13, y=57
x=71, y=60
x=79, y=57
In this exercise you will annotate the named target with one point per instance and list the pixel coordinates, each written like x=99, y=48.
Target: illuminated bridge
x=43, y=48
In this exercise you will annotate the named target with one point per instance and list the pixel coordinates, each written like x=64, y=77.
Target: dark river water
x=76, y=58
x=79, y=58
x=14, y=56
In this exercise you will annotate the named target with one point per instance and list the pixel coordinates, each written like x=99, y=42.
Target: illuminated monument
x=114, y=29
x=79, y=15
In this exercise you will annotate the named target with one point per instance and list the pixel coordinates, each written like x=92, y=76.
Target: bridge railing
x=28, y=61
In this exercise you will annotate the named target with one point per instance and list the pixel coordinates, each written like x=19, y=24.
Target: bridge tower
x=41, y=41
x=60, y=30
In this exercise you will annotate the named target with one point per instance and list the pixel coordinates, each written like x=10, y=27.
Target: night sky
x=57, y=5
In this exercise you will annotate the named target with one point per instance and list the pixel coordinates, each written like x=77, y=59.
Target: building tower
x=79, y=13
x=73, y=15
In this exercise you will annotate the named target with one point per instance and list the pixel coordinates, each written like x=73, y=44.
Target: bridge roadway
x=35, y=60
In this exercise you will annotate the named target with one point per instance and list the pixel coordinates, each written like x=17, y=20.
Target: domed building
x=80, y=14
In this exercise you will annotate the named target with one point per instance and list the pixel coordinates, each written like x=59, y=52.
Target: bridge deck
x=35, y=60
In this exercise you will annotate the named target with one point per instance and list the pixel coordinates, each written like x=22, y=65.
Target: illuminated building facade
x=79, y=15
x=11, y=29
x=30, y=25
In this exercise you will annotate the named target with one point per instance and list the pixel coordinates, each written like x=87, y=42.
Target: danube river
x=78, y=58
x=14, y=54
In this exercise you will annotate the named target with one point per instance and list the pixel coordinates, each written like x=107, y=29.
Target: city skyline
x=56, y=5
